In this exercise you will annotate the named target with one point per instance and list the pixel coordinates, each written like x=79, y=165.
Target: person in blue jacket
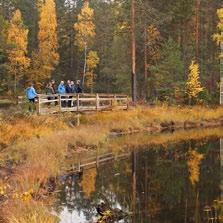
x=31, y=95
x=62, y=90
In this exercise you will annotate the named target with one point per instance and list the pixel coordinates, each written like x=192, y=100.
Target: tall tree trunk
x=85, y=63
x=197, y=36
x=221, y=72
x=145, y=62
x=134, y=86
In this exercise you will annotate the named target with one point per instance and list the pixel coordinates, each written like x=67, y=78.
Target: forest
x=142, y=141
x=160, y=50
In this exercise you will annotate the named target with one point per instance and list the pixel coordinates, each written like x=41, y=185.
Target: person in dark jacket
x=73, y=89
x=53, y=83
x=31, y=96
x=78, y=87
x=49, y=91
x=69, y=91
x=68, y=87
x=54, y=87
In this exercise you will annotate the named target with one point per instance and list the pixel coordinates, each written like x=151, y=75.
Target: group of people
x=68, y=88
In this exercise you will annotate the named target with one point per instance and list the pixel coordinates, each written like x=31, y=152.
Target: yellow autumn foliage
x=193, y=85
x=17, y=39
x=219, y=37
x=193, y=164
x=85, y=28
x=92, y=62
x=46, y=58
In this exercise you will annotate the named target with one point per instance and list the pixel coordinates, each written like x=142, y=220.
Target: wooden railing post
x=97, y=102
x=78, y=102
x=39, y=105
x=97, y=158
x=127, y=101
x=59, y=102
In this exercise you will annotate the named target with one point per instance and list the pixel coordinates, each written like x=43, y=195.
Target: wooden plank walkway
x=48, y=104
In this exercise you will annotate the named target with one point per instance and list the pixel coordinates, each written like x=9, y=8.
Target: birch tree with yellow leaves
x=17, y=39
x=92, y=63
x=85, y=32
x=193, y=85
x=46, y=58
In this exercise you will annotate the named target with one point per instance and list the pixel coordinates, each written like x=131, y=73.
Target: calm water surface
x=153, y=184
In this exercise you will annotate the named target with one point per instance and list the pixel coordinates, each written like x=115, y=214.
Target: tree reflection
x=154, y=184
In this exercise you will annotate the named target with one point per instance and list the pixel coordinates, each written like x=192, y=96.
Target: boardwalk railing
x=80, y=102
x=95, y=161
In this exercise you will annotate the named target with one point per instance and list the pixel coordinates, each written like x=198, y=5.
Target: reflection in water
x=221, y=160
x=153, y=184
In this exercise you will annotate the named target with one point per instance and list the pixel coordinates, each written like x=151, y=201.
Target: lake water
x=175, y=183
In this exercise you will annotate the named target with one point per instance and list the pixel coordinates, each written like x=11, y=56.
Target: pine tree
x=167, y=72
x=3, y=56
x=46, y=58
x=219, y=39
x=193, y=85
x=151, y=52
x=85, y=31
x=17, y=38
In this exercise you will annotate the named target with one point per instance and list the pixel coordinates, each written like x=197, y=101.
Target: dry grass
x=142, y=117
x=40, y=158
x=26, y=127
x=28, y=212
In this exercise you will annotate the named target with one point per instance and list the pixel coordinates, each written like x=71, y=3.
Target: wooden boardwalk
x=48, y=104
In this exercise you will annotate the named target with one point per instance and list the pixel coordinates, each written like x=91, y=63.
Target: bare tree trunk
x=85, y=63
x=198, y=5
x=134, y=86
x=221, y=72
x=145, y=63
